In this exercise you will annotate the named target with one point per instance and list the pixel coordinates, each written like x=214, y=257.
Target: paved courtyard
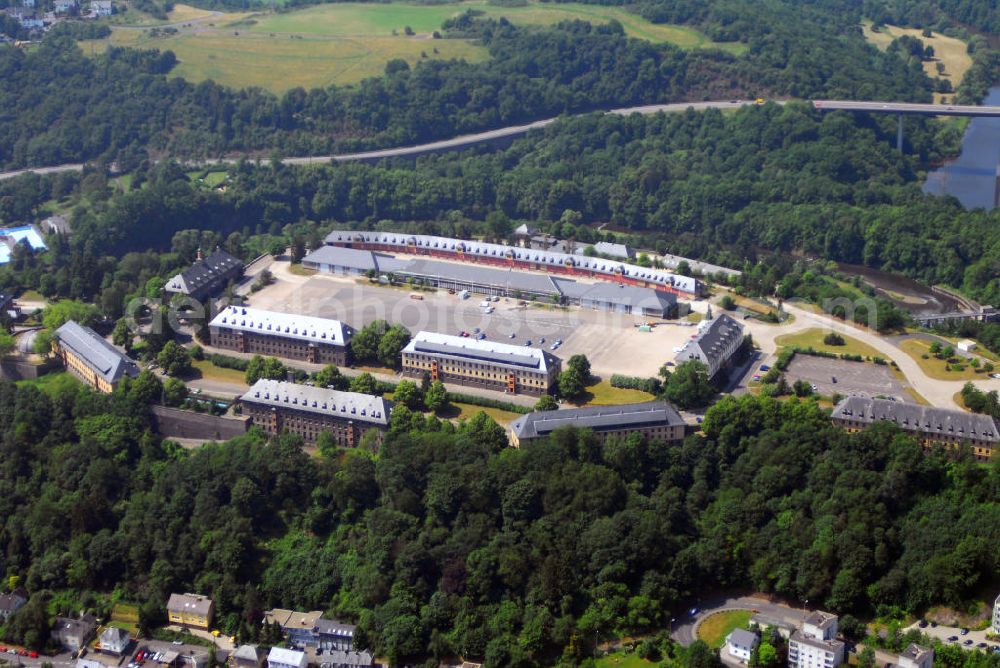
x=860, y=379
x=611, y=341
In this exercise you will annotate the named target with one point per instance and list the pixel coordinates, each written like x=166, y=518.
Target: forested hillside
x=60, y=106
x=449, y=542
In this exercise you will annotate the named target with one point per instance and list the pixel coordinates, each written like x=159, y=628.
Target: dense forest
x=728, y=188
x=448, y=542
x=60, y=106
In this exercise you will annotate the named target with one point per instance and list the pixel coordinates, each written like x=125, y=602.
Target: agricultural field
x=949, y=51
x=344, y=43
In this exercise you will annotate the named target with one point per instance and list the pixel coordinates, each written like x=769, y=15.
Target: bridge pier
x=899, y=132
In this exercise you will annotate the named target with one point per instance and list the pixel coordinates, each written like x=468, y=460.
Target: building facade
x=73, y=634
x=518, y=258
x=11, y=602
x=115, y=641
x=814, y=644
x=278, y=406
x=486, y=364
x=500, y=281
x=715, y=345
x=996, y=616
x=193, y=610
x=90, y=358
x=279, y=657
x=656, y=420
x=931, y=426
x=311, y=630
x=207, y=276
x=740, y=644
x=916, y=656
x=298, y=337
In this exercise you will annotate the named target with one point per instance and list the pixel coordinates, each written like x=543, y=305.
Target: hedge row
x=650, y=385
x=485, y=402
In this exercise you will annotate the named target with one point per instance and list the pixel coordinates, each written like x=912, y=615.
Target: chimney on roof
x=199, y=256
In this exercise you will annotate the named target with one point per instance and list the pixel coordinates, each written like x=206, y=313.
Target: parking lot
x=611, y=341
x=852, y=378
x=972, y=640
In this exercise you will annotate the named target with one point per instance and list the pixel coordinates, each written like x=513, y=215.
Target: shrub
x=650, y=385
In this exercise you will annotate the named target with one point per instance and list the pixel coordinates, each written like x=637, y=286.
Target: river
x=971, y=177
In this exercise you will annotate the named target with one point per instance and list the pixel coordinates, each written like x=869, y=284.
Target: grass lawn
x=947, y=50
x=460, y=411
x=343, y=43
x=934, y=367
x=602, y=394
x=714, y=629
x=205, y=369
x=32, y=296
x=299, y=270
x=814, y=337
x=54, y=384
x=622, y=660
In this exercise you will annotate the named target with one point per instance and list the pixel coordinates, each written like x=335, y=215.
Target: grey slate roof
x=823, y=620
x=249, y=653
x=915, y=652
x=345, y=405
x=459, y=347
x=712, y=341
x=361, y=260
x=102, y=357
x=923, y=419
x=333, y=627
x=203, y=272
x=286, y=325
x=610, y=293
x=338, y=657
x=597, y=418
x=12, y=601
x=614, y=250
x=742, y=637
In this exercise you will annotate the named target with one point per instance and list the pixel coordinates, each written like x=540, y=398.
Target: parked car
x=965, y=632
x=511, y=335
x=952, y=638
x=923, y=624
x=481, y=336
x=968, y=643
x=32, y=654
x=528, y=342
x=764, y=367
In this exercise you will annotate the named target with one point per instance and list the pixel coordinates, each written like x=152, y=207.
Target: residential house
x=73, y=634
x=814, y=644
x=11, y=602
x=279, y=657
x=345, y=659
x=115, y=641
x=192, y=610
x=310, y=629
x=249, y=656
x=64, y=6
x=916, y=656
x=90, y=358
x=740, y=644
x=996, y=616
x=99, y=8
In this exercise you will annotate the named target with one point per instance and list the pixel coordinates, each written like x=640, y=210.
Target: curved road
x=939, y=393
x=430, y=147
x=686, y=628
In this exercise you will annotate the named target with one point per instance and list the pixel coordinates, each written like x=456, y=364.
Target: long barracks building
x=486, y=364
x=656, y=420
x=278, y=406
x=931, y=426
x=492, y=280
x=515, y=257
x=299, y=337
x=92, y=359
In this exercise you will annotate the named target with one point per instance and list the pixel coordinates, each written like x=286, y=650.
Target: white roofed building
x=289, y=335
x=279, y=657
x=486, y=364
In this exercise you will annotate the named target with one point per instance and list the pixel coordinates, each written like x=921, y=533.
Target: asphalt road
x=685, y=629
x=907, y=108
x=443, y=145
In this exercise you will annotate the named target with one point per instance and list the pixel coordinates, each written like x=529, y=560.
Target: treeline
x=448, y=542
x=120, y=106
